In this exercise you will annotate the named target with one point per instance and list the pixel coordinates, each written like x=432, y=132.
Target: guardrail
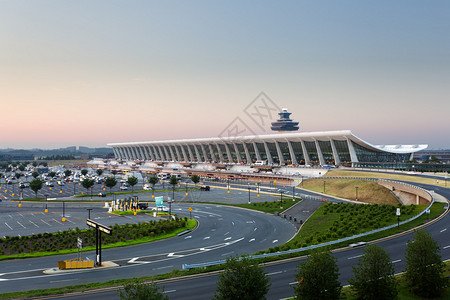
x=219, y=262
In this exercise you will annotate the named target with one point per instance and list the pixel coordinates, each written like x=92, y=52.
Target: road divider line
x=396, y=261
x=443, y=229
x=274, y=273
x=352, y=257
x=446, y=247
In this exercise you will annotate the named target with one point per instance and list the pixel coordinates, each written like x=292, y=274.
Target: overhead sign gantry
x=99, y=228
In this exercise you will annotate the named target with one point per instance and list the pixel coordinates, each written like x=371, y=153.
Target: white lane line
x=213, y=230
x=255, y=228
x=56, y=221
x=20, y=224
x=251, y=240
x=446, y=247
x=274, y=241
x=396, y=261
x=205, y=238
x=228, y=238
x=226, y=254
x=443, y=229
x=164, y=267
x=70, y=221
x=133, y=260
x=8, y=226
x=274, y=273
x=188, y=237
x=171, y=291
x=20, y=215
x=53, y=281
x=227, y=233
x=46, y=223
x=352, y=257
x=34, y=224
x=232, y=223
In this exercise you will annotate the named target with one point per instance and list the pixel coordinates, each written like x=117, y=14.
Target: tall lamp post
x=46, y=203
x=248, y=185
x=356, y=190
x=228, y=184
x=281, y=199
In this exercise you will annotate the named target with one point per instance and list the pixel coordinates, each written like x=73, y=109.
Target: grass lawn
x=368, y=191
x=267, y=207
x=404, y=177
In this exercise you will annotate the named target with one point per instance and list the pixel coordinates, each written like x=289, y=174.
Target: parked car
x=49, y=183
x=123, y=187
x=142, y=206
x=60, y=183
x=205, y=188
x=160, y=208
x=102, y=194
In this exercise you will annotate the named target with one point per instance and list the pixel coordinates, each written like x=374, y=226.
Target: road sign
x=80, y=243
x=398, y=212
x=159, y=201
x=190, y=208
x=100, y=227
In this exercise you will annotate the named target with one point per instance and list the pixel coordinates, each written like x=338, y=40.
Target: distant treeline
x=57, y=157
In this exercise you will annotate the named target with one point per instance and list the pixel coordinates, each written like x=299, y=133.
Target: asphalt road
x=282, y=274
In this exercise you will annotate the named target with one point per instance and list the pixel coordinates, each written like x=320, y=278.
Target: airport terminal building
x=288, y=148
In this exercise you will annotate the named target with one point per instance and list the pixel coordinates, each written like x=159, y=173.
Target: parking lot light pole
x=186, y=189
x=64, y=210
x=248, y=185
x=228, y=184
x=46, y=203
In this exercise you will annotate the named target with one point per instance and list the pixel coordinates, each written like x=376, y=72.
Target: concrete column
x=150, y=151
x=199, y=157
x=305, y=153
x=144, y=151
x=204, y=152
x=230, y=157
x=258, y=156
x=185, y=157
x=280, y=154
x=166, y=153
x=141, y=153
x=220, y=153
x=156, y=153
x=247, y=153
x=171, y=153
x=129, y=156
x=122, y=153
x=269, y=156
x=179, y=158
x=161, y=154
x=292, y=153
x=352, y=151
x=337, y=160
x=211, y=151
x=319, y=152
x=238, y=153
x=417, y=200
x=191, y=155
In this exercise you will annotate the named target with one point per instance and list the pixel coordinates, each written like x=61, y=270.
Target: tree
x=22, y=168
x=36, y=185
x=67, y=173
x=35, y=174
x=99, y=172
x=195, y=179
x=87, y=184
x=373, y=277
x=173, y=181
x=84, y=172
x=242, y=279
x=318, y=278
x=18, y=175
x=138, y=290
x=114, y=172
x=132, y=181
x=51, y=174
x=424, y=270
x=153, y=180
x=34, y=164
x=110, y=182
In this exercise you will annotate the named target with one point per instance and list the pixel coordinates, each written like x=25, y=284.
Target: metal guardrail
x=219, y=262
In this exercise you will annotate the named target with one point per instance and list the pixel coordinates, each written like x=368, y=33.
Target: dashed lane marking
x=396, y=261
x=352, y=257
x=8, y=226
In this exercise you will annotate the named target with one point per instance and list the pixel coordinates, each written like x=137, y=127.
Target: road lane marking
x=188, y=237
x=171, y=291
x=56, y=221
x=232, y=223
x=228, y=253
x=21, y=224
x=228, y=238
x=396, y=261
x=255, y=228
x=274, y=273
x=227, y=233
x=274, y=241
x=205, y=238
x=446, y=247
x=251, y=240
x=53, y=281
x=352, y=257
x=8, y=226
x=443, y=229
x=34, y=224
x=46, y=223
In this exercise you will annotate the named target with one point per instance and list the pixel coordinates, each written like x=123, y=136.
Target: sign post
x=80, y=247
x=190, y=212
x=99, y=228
x=398, y=217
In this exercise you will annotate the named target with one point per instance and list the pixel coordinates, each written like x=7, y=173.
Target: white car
x=123, y=187
x=160, y=208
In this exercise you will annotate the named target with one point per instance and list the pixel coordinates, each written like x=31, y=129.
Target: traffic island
x=105, y=264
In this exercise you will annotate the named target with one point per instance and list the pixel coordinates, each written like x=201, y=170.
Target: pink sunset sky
x=94, y=72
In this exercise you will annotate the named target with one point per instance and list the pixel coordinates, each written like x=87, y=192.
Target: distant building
x=442, y=155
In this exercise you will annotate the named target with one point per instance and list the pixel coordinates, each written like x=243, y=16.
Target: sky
x=93, y=72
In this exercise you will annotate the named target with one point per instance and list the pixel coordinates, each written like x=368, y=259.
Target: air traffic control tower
x=284, y=123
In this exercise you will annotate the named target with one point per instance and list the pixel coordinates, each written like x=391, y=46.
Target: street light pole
x=248, y=185
x=46, y=203
x=89, y=212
